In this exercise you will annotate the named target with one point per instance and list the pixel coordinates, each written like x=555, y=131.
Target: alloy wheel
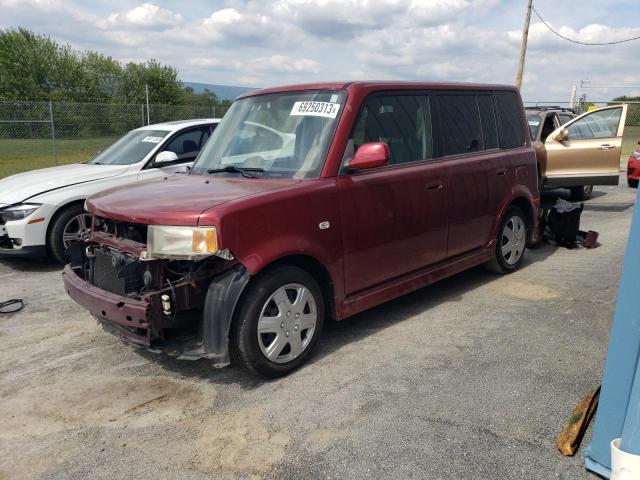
x=77, y=228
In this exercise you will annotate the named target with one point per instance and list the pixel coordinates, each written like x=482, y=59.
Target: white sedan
x=42, y=211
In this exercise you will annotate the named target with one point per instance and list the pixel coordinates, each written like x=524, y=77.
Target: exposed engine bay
x=160, y=303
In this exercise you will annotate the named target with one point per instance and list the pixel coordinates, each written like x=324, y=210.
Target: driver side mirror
x=165, y=157
x=562, y=135
x=370, y=155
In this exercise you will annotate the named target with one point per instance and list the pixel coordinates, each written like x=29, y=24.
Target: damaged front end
x=181, y=307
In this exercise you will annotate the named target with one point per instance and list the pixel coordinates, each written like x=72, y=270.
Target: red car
x=633, y=168
x=309, y=203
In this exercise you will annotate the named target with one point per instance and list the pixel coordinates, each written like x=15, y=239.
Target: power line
x=576, y=41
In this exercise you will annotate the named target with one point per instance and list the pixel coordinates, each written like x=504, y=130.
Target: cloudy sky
x=272, y=42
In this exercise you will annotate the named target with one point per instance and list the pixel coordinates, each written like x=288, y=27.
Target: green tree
x=34, y=67
x=26, y=64
x=163, y=82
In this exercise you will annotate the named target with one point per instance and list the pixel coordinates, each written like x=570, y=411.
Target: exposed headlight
x=636, y=154
x=182, y=243
x=18, y=212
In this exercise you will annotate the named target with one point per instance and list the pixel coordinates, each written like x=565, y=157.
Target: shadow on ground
x=31, y=264
x=338, y=334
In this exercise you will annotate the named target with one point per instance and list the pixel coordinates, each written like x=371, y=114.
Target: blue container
x=618, y=414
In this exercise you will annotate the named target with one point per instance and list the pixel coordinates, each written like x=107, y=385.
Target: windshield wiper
x=233, y=169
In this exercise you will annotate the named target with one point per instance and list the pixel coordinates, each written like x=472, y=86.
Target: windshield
x=278, y=135
x=130, y=149
x=534, y=125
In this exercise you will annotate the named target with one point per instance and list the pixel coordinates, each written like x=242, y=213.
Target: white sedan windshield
x=279, y=135
x=130, y=149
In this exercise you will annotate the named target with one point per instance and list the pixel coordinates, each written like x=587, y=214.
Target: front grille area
x=136, y=232
x=116, y=272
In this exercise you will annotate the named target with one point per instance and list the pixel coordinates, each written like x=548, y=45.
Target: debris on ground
x=572, y=433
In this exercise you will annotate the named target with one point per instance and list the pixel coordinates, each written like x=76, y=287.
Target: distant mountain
x=223, y=92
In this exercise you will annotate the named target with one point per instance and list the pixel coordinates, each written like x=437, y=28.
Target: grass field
x=22, y=155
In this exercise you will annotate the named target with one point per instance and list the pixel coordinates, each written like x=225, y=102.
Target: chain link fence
x=36, y=134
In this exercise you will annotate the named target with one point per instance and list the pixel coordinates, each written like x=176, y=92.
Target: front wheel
x=71, y=224
x=278, y=322
x=582, y=192
x=510, y=242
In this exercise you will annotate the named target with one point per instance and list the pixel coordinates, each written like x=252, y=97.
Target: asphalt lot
x=470, y=378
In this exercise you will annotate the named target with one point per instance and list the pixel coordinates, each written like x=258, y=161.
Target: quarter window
x=403, y=122
x=509, y=119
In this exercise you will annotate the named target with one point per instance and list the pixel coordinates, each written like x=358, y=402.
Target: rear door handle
x=606, y=146
x=434, y=185
x=501, y=172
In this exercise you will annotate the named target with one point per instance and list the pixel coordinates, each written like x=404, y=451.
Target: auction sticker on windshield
x=150, y=139
x=316, y=109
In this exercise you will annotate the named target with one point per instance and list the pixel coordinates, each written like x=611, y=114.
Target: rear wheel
x=632, y=183
x=70, y=225
x=278, y=322
x=582, y=192
x=510, y=243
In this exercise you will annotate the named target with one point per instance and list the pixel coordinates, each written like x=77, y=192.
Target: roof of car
x=381, y=85
x=180, y=124
x=549, y=108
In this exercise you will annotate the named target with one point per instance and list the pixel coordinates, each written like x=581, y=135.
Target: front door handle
x=501, y=172
x=434, y=185
x=606, y=146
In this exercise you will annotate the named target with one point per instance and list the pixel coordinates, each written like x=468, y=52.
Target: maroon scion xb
x=309, y=203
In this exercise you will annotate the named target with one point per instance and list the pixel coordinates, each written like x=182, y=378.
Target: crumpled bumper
x=126, y=317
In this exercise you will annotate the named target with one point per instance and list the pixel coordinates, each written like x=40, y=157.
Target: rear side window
x=459, y=124
x=511, y=131
x=488, y=120
x=186, y=143
x=564, y=118
x=403, y=122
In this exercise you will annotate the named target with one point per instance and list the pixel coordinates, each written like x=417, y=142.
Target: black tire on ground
x=500, y=264
x=632, y=183
x=55, y=244
x=581, y=193
x=243, y=338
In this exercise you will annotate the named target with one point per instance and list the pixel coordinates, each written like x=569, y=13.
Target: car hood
x=21, y=187
x=178, y=200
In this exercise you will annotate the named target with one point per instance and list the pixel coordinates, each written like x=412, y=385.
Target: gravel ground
x=470, y=378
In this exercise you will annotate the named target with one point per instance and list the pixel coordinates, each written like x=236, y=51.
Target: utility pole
x=523, y=45
x=146, y=90
x=574, y=93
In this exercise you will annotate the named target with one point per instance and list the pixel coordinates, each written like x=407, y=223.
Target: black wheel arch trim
x=219, y=307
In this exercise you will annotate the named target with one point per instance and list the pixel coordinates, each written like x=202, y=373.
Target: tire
x=632, y=183
x=57, y=239
x=581, y=193
x=284, y=343
x=510, y=260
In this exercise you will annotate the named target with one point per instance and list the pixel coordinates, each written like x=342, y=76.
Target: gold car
x=581, y=153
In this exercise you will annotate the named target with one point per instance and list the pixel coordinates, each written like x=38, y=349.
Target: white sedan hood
x=21, y=187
